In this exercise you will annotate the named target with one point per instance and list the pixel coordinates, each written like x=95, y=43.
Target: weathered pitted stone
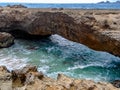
x=6, y=39
x=98, y=29
x=65, y=81
x=4, y=74
x=26, y=75
x=34, y=80
x=5, y=79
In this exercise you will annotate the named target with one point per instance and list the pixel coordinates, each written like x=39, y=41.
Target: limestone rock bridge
x=97, y=29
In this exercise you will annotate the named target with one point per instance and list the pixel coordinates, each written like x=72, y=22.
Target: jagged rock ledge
x=97, y=29
x=29, y=78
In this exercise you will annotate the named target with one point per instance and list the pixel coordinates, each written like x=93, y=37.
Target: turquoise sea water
x=55, y=55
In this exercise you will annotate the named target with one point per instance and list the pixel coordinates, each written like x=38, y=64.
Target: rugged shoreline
x=28, y=78
x=97, y=29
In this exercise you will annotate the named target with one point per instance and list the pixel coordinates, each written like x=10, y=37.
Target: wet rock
x=32, y=48
x=116, y=83
x=6, y=39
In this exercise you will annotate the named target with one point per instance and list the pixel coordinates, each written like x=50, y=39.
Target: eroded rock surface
x=6, y=40
x=98, y=29
x=5, y=79
x=29, y=78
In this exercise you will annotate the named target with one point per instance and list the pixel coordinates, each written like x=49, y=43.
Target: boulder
x=6, y=39
x=116, y=83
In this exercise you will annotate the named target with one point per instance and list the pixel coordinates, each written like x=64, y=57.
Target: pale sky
x=55, y=1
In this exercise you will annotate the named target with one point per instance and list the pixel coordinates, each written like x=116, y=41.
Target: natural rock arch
x=76, y=27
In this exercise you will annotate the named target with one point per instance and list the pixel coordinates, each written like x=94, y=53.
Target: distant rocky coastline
x=16, y=6
x=108, y=2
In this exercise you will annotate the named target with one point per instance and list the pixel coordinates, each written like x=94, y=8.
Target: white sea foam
x=10, y=58
x=13, y=63
x=61, y=41
x=81, y=66
x=44, y=68
x=43, y=60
